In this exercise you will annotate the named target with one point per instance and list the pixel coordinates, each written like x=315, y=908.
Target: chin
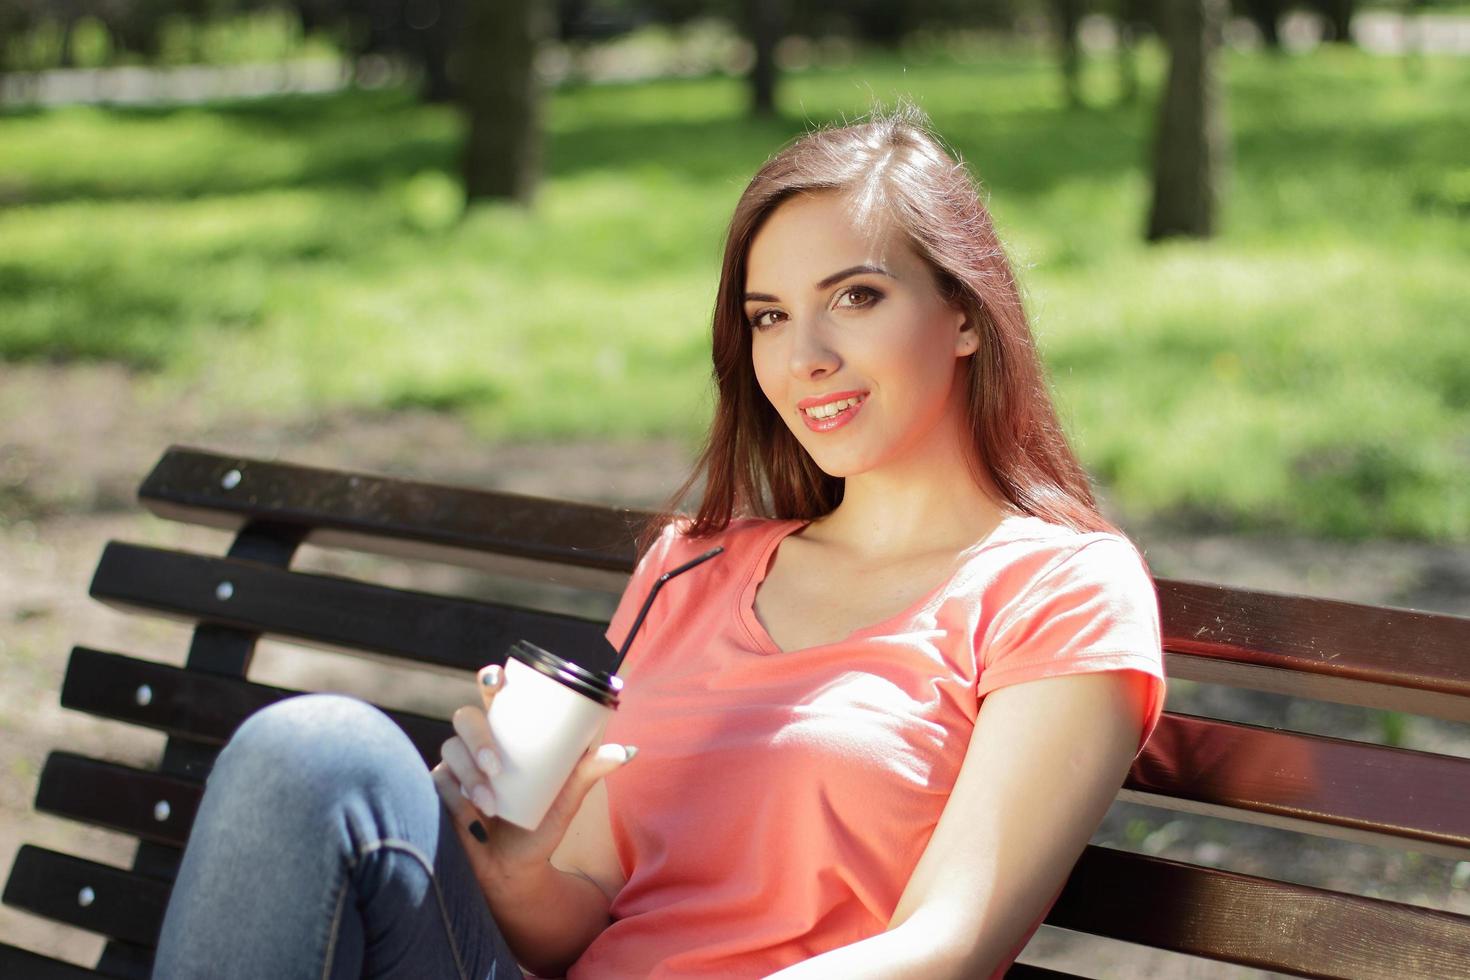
x=836, y=468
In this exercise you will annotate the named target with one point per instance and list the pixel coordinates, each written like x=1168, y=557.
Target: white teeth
x=832, y=408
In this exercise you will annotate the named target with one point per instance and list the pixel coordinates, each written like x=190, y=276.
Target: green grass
x=1308, y=369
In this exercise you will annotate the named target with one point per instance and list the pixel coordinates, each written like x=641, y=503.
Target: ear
x=967, y=337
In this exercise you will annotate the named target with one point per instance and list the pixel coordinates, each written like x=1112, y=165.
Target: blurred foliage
x=1308, y=369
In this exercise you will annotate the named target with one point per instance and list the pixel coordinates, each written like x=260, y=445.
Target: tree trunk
x=1339, y=14
x=1190, y=143
x=1266, y=15
x=500, y=97
x=1131, y=14
x=764, y=21
x=1067, y=16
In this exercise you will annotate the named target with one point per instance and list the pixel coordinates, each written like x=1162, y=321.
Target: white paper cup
x=543, y=720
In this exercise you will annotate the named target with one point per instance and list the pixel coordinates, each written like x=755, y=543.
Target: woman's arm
x=1045, y=761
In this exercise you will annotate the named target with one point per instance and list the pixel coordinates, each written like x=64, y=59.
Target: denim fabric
x=322, y=850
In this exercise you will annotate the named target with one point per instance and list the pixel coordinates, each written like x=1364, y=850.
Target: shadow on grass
x=366, y=139
x=102, y=313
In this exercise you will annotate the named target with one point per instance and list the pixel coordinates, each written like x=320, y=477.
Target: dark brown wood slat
x=1370, y=794
x=1329, y=640
x=399, y=517
x=1270, y=925
x=22, y=964
x=1310, y=784
x=126, y=961
x=123, y=905
x=1025, y=971
x=145, y=804
x=194, y=705
x=1323, y=638
x=337, y=613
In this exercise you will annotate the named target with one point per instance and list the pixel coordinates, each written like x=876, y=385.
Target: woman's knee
x=319, y=737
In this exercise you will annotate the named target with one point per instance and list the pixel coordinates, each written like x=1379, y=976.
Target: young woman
x=873, y=735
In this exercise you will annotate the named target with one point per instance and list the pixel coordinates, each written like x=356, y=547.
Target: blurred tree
x=1067, y=20
x=501, y=99
x=1266, y=16
x=1131, y=17
x=1339, y=15
x=1189, y=152
x=881, y=22
x=765, y=24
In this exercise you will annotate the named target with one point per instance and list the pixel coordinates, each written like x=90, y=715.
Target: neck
x=925, y=500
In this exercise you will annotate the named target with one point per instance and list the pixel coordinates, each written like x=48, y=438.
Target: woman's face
x=835, y=312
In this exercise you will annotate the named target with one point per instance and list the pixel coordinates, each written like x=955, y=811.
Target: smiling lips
x=826, y=414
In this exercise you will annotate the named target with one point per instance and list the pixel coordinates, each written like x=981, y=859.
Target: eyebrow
x=831, y=280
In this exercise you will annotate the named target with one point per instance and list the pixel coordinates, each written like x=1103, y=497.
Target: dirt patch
x=75, y=442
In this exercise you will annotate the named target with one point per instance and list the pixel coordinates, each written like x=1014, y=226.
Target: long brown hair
x=894, y=169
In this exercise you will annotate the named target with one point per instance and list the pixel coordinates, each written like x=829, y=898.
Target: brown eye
x=864, y=296
x=758, y=321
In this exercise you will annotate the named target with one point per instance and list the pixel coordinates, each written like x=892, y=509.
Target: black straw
x=649, y=601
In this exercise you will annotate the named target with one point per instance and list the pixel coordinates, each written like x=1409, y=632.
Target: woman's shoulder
x=1035, y=551
x=677, y=541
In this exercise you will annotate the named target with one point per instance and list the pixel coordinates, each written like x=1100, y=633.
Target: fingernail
x=629, y=751
x=478, y=829
x=488, y=762
x=483, y=799
x=464, y=792
x=491, y=675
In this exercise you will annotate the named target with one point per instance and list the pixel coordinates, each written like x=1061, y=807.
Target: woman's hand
x=465, y=780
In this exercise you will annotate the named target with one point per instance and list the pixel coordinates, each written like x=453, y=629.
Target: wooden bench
x=1310, y=648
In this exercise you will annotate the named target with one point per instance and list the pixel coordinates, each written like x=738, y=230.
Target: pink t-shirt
x=780, y=801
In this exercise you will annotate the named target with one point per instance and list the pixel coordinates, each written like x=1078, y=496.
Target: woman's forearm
x=889, y=955
x=548, y=917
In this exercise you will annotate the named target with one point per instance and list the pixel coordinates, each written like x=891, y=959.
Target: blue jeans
x=322, y=850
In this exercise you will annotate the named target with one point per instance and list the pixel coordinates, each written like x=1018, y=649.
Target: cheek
x=763, y=366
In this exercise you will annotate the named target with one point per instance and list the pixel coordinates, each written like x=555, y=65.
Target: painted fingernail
x=488, y=762
x=483, y=799
x=491, y=675
x=478, y=829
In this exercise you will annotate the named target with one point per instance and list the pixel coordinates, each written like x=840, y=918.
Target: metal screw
x=224, y=590
x=231, y=480
x=144, y=696
x=86, y=897
x=160, y=811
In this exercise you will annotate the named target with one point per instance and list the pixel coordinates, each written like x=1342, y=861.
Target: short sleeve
x=654, y=563
x=1096, y=609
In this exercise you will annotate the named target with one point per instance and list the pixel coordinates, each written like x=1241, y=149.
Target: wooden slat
x=194, y=705
x=1318, y=687
x=1025, y=971
x=1329, y=640
x=1271, y=925
x=1318, y=638
x=22, y=964
x=145, y=804
x=126, y=961
x=337, y=613
x=495, y=531
x=1422, y=797
x=1169, y=905
x=1368, y=794
x=124, y=906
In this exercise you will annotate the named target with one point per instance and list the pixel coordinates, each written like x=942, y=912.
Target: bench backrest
x=1312, y=648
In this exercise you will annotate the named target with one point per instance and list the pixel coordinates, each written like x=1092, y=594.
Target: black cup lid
x=602, y=688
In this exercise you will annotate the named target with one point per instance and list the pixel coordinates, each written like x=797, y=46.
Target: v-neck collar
x=780, y=530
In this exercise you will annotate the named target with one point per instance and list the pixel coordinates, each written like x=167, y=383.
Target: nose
x=811, y=353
